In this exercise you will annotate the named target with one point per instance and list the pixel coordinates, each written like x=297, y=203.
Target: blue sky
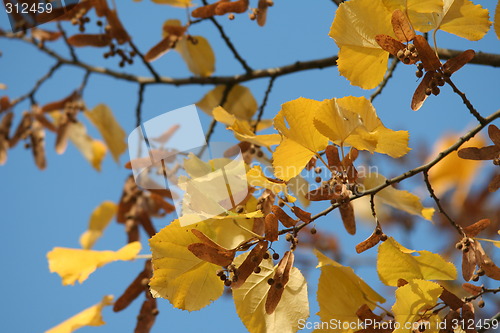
x=44, y=209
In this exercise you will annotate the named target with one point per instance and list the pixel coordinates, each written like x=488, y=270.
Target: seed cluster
x=408, y=54
x=80, y=19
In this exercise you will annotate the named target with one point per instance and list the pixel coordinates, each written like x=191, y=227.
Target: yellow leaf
x=398, y=199
x=198, y=55
x=89, y=317
x=240, y=102
x=174, y=3
x=214, y=189
x=250, y=300
x=299, y=187
x=113, y=134
x=77, y=264
x=243, y=131
x=453, y=172
x=99, y=220
x=92, y=150
x=256, y=178
x=354, y=121
x=415, y=6
x=459, y=17
x=301, y=139
x=188, y=282
x=3, y=86
x=397, y=262
x=349, y=290
x=417, y=295
x=356, y=23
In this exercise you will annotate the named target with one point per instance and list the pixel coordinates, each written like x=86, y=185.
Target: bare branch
x=264, y=102
x=467, y=103
x=37, y=85
x=438, y=203
x=146, y=63
x=138, y=109
x=65, y=38
x=229, y=44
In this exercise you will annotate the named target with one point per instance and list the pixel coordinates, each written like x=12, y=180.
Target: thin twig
x=386, y=79
x=65, y=38
x=85, y=80
x=138, y=109
x=480, y=294
x=264, y=102
x=228, y=42
x=467, y=103
x=438, y=203
x=146, y=63
x=37, y=85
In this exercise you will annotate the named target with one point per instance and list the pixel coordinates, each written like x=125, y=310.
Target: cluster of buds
x=80, y=19
x=228, y=275
x=408, y=55
x=127, y=57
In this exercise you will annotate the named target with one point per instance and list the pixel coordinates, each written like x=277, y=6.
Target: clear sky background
x=44, y=209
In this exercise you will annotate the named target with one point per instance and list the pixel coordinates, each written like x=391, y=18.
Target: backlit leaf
x=497, y=20
x=354, y=121
x=197, y=54
x=453, y=172
x=189, y=283
x=396, y=262
x=77, y=264
x=250, y=299
x=411, y=298
x=301, y=140
x=255, y=177
x=99, y=220
x=243, y=131
x=398, y=199
x=113, y=134
x=175, y=3
x=356, y=23
x=341, y=293
x=89, y=317
x=240, y=101
x=93, y=150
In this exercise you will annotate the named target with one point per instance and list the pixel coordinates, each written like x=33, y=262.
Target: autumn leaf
x=250, y=300
x=113, y=134
x=301, y=140
x=76, y=265
x=398, y=199
x=240, y=102
x=459, y=17
x=354, y=121
x=243, y=131
x=198, y=55
x=361, y=60
x=412, y=298
x=99, y=220
x=396, y=262
x=189, y=283
x=453, y=172
x=91, y=316
x=93, y=150
x=349, y=290
x=256, y=178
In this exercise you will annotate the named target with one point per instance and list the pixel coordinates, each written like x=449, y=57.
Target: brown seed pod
x=238, y=7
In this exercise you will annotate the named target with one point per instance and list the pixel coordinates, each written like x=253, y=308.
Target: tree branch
x=146, y=63
x=37, y=85
x=487, y=59
x=264, y=102
x=466, y=101
x=438, y=203
x=229, y=43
